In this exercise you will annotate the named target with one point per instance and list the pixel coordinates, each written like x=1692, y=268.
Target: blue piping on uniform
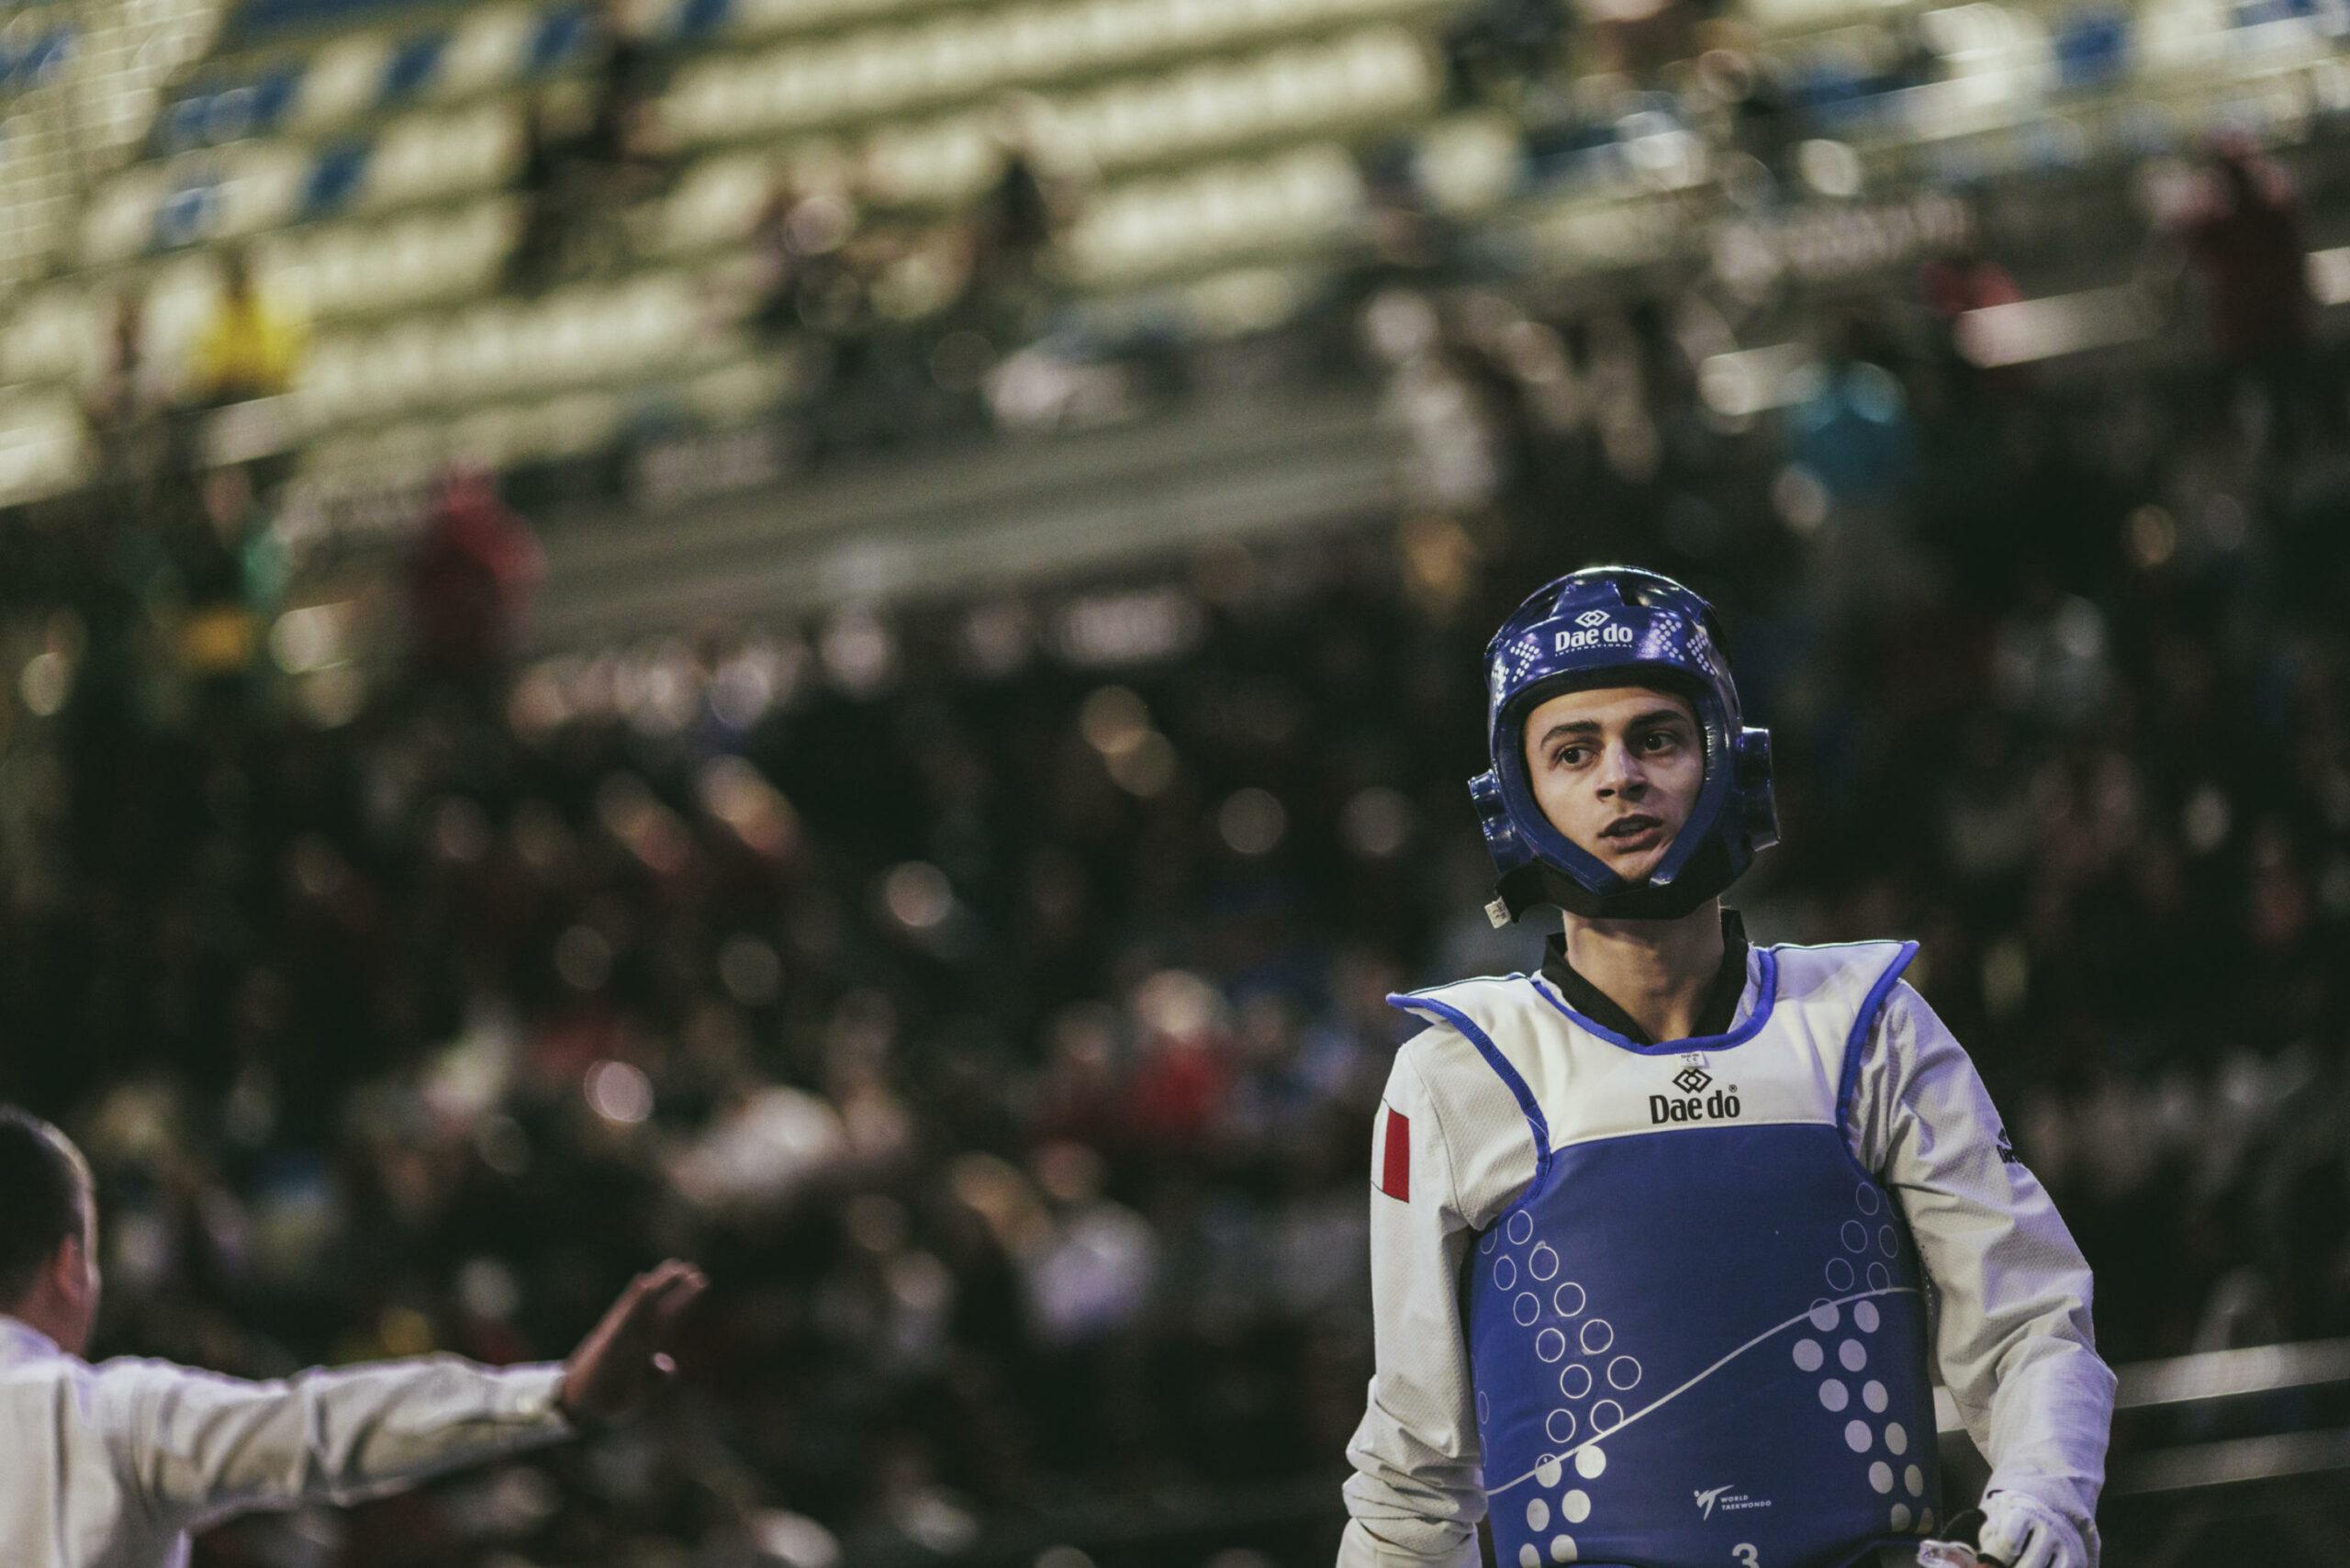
x=1766, y=998
x=1848, y=1081
x=1500, y=1064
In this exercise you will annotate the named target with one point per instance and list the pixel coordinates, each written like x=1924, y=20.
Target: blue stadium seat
x=218, y=113
x=22, y=66
x=272, y=96
x=334, y=178
x=413, y=65
x=181, y=125
x=559, y=35
x=186, y=214
x=256, y=19
x=1839, y=96
x=697, y=18
x=2092, y=48
x=2254, y=13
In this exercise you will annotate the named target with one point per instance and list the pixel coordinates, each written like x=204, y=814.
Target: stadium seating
x=368, y=150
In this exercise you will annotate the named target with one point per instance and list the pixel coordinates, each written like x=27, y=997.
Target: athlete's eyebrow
x=1591, y=726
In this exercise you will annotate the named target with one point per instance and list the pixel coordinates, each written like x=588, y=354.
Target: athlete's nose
x=1621, y=774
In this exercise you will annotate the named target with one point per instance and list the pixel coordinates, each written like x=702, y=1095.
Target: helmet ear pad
x=1757, y=803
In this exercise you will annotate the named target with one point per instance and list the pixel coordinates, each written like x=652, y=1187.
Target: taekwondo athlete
x=1666, y=1238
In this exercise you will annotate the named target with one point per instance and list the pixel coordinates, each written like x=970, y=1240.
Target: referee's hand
x=626, y=1356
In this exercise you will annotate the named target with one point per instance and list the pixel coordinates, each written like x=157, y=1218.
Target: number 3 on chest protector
x=1747, y=1556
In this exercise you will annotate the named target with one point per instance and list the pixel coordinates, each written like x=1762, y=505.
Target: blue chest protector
x=1698, y=1338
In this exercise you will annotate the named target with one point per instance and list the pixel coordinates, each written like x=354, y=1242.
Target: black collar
x=1713, y=1018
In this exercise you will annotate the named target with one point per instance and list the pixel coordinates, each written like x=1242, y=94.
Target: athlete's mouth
x=1631, y=826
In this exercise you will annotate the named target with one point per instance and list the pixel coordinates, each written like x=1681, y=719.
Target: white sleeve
x=1416, y=1494
x=2014, y=1339
x=200, y=1447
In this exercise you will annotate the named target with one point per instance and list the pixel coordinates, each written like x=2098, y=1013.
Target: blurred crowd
x=991, y=995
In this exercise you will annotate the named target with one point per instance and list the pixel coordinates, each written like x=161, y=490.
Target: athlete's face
x=1617, y=770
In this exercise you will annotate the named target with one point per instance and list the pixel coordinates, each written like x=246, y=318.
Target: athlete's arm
x=1416, y=1494
x=2014, y=1338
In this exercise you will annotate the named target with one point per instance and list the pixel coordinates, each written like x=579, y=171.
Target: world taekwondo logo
x=1731, y=1502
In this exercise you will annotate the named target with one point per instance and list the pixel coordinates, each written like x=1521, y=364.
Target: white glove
x=2024, y=1532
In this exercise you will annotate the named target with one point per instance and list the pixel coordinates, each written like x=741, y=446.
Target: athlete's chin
x=1635, y=856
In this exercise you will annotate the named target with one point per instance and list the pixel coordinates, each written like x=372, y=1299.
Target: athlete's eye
x=1567, y=756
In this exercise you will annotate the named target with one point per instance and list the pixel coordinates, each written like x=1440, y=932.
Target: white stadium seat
x=486, y=51
x=340, y=81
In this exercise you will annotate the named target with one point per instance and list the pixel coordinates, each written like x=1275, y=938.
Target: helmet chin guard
x=1618, y=626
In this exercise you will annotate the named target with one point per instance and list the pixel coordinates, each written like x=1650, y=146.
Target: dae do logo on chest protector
x=1692, y=1103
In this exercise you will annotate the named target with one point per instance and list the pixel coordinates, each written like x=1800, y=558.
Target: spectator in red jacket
x=2244, y=239
x=470, y=583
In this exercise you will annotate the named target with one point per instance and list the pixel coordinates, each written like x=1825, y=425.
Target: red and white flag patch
x=1395, y=1162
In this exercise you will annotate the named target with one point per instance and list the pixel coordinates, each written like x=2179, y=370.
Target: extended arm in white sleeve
x=1418, y=1492
x=2014, y=1338
x=200, y=1447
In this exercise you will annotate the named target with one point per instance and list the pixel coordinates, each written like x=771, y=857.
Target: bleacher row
x=79, y=83
x=368, y=123
x=370, y=168
x=1369, y=76
x=888, y=78
x=867, y=82
x=423, y=228
x=845, y=60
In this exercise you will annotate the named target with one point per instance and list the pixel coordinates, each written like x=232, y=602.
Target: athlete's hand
x=2023, y=1532
x=627, y=1356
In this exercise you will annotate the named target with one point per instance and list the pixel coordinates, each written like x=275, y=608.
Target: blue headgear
x=1610, y=626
